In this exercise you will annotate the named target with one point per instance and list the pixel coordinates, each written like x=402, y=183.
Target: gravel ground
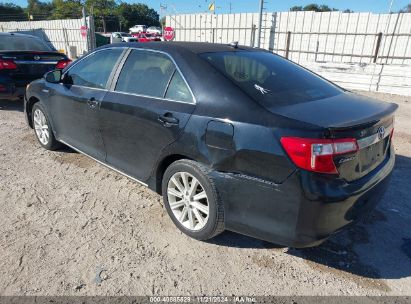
x=69, y=226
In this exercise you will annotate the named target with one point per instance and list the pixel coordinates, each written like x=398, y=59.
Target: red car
x=146, y=37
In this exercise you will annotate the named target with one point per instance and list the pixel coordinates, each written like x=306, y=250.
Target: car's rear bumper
x=304, y=210
x=12, y=91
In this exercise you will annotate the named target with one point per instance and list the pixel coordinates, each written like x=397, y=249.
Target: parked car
x=117, y=37
x=145, y=37
x=138, y=29
x=24, y=58
x=155, y=30
x=153, y=37
x=233, y=137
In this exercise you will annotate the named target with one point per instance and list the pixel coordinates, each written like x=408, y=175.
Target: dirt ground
x=69, y=226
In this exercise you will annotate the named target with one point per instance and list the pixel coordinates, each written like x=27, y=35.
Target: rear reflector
x=61, y=64
x=315, y=154
x=7, y=64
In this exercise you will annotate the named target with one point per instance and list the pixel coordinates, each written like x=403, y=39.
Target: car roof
x=176, y=46
x=19, y=35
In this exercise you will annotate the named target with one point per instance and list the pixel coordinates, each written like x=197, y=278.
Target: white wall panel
x=52, y=31
x=339, y=46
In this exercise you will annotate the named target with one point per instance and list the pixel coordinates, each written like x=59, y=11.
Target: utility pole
x=230, y=7
x=83, y=11
x=391, y=3
x=260, y=23
x=163, y=11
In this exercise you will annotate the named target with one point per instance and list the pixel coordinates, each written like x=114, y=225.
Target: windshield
x=23, y=43
x=126, y=35
x=271, y=79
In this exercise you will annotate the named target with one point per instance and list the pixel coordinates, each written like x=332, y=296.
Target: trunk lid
x=31, y=64
x=340, y=111
x=348, y=115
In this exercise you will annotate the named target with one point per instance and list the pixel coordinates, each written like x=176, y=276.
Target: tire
x=214, y=221
x=41, y=121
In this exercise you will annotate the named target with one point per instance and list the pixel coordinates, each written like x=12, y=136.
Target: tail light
x=317, y=155
x=61, y=64
x=6, y=64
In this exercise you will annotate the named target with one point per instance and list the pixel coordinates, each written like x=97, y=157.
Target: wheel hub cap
x=188, y=201
x=41, y=127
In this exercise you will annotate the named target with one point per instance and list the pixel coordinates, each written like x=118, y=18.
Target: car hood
x=340, y=111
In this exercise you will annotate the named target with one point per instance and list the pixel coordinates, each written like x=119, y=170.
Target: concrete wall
x=62, y=34
x=339, y=46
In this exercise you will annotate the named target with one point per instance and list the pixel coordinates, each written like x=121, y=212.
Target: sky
x=243, y=6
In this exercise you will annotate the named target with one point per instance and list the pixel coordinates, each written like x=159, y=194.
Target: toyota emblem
x=37, y=57
x=381, y=132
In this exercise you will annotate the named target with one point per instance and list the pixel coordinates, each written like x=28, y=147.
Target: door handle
x=92, y=103
x=168, y=120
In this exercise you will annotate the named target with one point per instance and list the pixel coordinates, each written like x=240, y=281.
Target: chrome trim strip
x=153, y=97
x=34, y=62
x=104, y=164
x=373, y=139
x=80, y=86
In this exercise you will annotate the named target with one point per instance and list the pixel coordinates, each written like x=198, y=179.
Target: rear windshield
x=270, y=79
x=20, y=43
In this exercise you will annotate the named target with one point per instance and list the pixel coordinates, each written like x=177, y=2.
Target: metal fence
x=308, y=36
x=361, y=51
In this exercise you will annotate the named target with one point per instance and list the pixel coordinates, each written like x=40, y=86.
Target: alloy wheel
x=41, y=127
x=188, y=201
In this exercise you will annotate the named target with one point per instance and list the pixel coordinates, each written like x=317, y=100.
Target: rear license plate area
x=372, y=156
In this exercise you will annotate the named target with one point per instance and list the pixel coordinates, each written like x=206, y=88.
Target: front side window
x=146, y=73
x=270, y=79
x=94, y=70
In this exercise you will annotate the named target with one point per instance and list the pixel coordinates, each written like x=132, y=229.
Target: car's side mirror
x=53, y=76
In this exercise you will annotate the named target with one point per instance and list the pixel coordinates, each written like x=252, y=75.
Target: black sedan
x=24, y=58
x=233, y=137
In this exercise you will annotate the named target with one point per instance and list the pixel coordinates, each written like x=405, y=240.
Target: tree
x=108, y=14
x=38, y=9
x=66, y=9
x=11, y=11
x=314, y=7
x=406, y=9
x=296, y=9
x=136, y=13
x=101, y=9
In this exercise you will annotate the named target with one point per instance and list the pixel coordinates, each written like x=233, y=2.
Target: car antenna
x=234, y=44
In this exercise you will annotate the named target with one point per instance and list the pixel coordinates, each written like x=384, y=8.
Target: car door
x=146, y=111
x=75, y=103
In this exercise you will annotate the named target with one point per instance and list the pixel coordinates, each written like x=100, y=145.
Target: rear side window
x=94, y=70
x=270, y=79
x=145, y=73
x=26, y=43
x=178, y=90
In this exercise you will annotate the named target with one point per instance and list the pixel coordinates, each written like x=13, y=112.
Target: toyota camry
x=232, y=137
